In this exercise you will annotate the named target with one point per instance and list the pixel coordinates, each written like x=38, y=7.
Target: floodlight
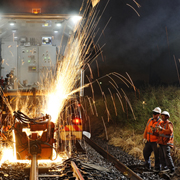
x=12, y=23
x=58, y=24
x=76, y=19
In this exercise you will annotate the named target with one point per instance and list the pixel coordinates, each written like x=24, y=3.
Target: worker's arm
x=169, y=130
x=145, y=133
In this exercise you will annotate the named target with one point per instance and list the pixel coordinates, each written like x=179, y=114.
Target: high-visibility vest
x=166, y=134
x=148, y=133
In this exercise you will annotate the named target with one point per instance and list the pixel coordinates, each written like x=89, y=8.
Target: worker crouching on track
x=165, y=141
x=150, y=140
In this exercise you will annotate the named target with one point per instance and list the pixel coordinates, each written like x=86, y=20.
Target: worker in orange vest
x=165, y=141
x=150, y=140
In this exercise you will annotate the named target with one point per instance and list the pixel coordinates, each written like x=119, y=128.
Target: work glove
x=159, y=128
x=144, y=141
x=158, y=146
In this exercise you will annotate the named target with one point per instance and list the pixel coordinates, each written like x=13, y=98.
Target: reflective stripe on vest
x=157, y=123
x=149, y=133
x=167, y=136
x=151, y=120
x=169, y=144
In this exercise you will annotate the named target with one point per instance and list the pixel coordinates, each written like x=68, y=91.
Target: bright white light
x=58, y=24
x=55, y=31
x=15, y=37
x=76, y=19
x=11, y=23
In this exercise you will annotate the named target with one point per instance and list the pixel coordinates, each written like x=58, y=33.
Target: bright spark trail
x=62, y=82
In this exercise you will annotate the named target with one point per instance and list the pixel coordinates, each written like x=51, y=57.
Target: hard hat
x=157, y=110
x=165, y=113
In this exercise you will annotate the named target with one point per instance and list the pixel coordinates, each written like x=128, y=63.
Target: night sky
x=142, y=46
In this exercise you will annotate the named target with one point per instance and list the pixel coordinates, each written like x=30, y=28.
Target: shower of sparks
x=133, y=9
x=138, y=5
x=62, y=83
x=176, y=68
x=22, y=61
x=95, y=2
x=67, y=76
x=11, y=53
x=68, y=72
x=105, y=128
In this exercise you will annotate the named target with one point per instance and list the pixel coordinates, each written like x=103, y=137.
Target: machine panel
x=32, y=62
x=47, y=56
x=28, y=66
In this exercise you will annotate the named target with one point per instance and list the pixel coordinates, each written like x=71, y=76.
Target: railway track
x=136, y=171
x=67, y=170
x=70, y=172
x=77, y=167
x=120, y=166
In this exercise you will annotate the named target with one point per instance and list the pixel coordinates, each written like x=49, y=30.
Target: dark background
x=142, y=46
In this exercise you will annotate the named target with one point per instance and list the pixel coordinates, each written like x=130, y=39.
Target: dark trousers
x=148, y=149
x=165, y=157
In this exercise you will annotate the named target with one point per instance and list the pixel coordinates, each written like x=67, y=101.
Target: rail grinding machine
x=34, y=146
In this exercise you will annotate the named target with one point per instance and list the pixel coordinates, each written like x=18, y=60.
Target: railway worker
x=150, y=140
x=165, y=141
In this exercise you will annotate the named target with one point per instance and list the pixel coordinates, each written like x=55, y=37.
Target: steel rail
x=120, y=166
x=76, y=171
x=34, y=175
x=34, y=168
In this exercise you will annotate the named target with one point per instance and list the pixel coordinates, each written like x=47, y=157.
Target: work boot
x=165, y=170
x=172, y=171
x=146, y=165
x=156, y=170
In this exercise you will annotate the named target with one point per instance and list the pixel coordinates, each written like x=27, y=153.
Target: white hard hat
x=157, y=110
x=165, y=113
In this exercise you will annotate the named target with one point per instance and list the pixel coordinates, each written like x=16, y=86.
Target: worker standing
x=165, y=140
x=150, y=140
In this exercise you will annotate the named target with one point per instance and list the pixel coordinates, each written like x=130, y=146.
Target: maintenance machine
x=32, y=43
